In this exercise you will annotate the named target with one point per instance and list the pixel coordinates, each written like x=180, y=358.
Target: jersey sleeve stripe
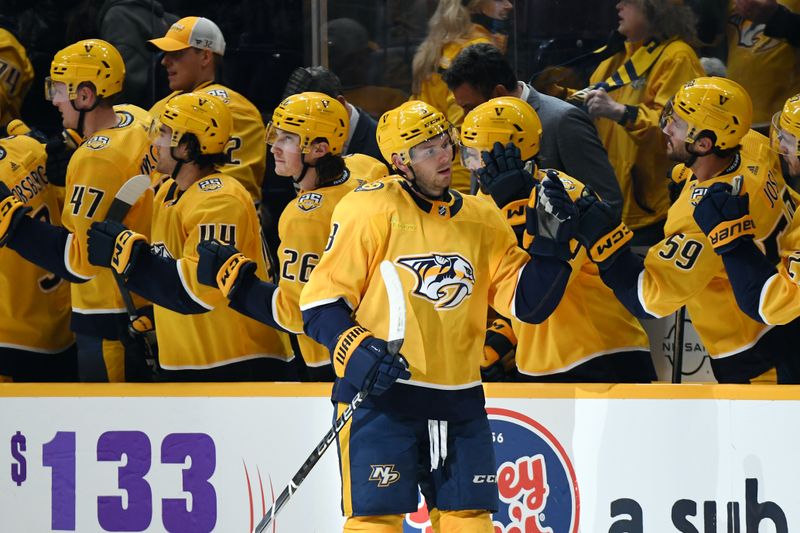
x=66, y=259
x=762, y=297
x=326, y=301
x=191, y=294
x=276, y=314
x=640, y=294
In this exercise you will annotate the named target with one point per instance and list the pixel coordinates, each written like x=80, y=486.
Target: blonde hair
x=450, y=22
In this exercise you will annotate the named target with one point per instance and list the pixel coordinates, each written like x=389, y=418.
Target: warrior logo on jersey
x=309, y=201
x=211, y=184
x=445, y=279
x=367, y=186
x=98, y=142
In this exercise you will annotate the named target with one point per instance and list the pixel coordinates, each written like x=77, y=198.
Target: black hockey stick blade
x=397, y=327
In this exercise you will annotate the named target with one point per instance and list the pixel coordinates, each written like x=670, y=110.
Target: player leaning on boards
x=84, y=77
x=35, y=341
x=199, y=337
x=768, y=294
x=307, y=133
x=456, y=256
x=590, y=337
x=704, y=126
x=193, y=48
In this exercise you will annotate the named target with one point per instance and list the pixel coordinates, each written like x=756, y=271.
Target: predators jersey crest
x=309, y=201
x=445, y=279
x=368, y=186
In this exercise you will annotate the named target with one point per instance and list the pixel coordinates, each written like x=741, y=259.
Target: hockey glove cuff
x=223, y=266
x=498, y=351
x=233, y=271
x=363, y=361
x=724, y=216
x=600, y=231
x=112, y=245
x=551, y=218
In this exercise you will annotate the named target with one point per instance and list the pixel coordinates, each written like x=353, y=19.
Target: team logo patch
x=385, y=475
x=535, y=479
x=445, y=279
x=125, y=119
x=211, y=184
x=369, y=186
x=2, y=153
x=697, y=195
x=98, y=142
x=309, y=201
x=221, y=94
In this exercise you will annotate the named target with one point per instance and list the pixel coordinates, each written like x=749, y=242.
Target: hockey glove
x=11, y=213
x=724, y=216
x=223, y=266
x=113, y=245
x=363, y=361
x=503, y=175
x=551, y=218
x=59, y=151
x=600, y=231
x=499, y=350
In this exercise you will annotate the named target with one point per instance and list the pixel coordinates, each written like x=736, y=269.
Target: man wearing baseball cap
x=193, y=48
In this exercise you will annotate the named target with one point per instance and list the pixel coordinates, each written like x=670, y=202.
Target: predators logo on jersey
x=368, y=186
x=445, y=279
x=309, y=201
x=98, y=142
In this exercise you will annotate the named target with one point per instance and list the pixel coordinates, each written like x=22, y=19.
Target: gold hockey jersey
x=684, y=269
x=768, y=68
x=247, y=146
x=96, y=171
x=454, y=259
x=216, y=207
x=16, y=75
x=589, y=321
x=303, y=228
x=34, y=309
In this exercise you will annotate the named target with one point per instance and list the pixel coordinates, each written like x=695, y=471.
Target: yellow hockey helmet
x=91, y=60
x=311, y=116
x=504, y=119
x=785, y=130
x=202, y=115
x=404, y=127
x=718, y=105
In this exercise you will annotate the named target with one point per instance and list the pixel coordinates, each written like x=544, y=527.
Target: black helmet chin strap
x=414, y=186
x=82, y=114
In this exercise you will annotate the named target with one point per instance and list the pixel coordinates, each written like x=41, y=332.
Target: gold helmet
x=718, y=105
x=785, y=130
x=92, y=60
x=311, y=116
x=402, y=128
x=201, y=114
x=504, y=119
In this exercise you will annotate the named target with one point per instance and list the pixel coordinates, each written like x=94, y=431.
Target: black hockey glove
x=362, y=360
x=223, y=266
x=503, y=175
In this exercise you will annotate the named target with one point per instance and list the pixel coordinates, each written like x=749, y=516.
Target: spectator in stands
x=455, y=25
x=569, y=139
x=626, y=95
x=761, y=56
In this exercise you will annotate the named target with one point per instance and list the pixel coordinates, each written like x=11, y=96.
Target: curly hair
x=670, y=18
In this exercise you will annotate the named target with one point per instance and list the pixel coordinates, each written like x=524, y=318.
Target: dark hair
x=202, y=160
x=314, y=79
x=329, y=168
x=482, y=66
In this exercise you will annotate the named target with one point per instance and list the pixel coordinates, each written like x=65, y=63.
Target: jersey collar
x=447, y=208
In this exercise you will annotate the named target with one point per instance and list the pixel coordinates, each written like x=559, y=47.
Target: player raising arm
x=590, y=337
x=199, y=337
x=456, y=256
x=767, y=294
x=84, y=77
x=707, y=129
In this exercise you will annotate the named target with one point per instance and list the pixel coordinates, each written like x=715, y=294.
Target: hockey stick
x=677, y=345
x=397, y=326
x=126, y=196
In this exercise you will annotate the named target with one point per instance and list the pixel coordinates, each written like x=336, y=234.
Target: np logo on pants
x=385, y=475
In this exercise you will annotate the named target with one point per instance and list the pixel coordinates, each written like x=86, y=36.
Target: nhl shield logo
x=309, y=201
x=443, y=278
